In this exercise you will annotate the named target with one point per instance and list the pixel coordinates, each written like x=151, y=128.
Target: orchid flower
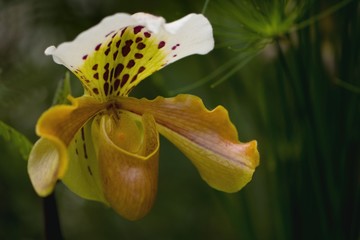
x=104, y=146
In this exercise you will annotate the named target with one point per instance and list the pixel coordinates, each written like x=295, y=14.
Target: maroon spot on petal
x=125, y=51
x=82, y=134
x=109, y=33
x=118, y=43
x=95, y=67
x=116, y=84
x=174, y=55
x=161, y=44
x=97, y=47
x=123, y=31
x=118, y=70
x=115, y=55
x=96, y=76
x=109, y=43
x=124, y=79
x=84, y=57
x=130, y=64
x=106, y=66
x=111, y=90
x=138, y=55
x=134, y=78
x=96, y=91
x=111, y=74
x=107, y=51
x=141, y=46
x=113, y=35
x=87, y=80
x=138, y=39
x=106, y=88
x=175, y=46
x=141, y=69
x=106, y=75
x=147, y=34
x=89, y=170
x=85, y=152
x=137, y=29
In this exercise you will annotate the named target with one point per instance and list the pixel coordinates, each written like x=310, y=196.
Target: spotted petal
x=112, y=57
x=207, y=138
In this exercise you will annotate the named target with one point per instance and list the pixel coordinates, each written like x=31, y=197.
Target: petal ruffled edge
x=207, y=138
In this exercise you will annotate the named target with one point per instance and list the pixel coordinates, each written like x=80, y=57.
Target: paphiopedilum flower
x=105, y=145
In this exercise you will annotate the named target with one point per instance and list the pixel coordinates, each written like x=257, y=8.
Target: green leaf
x=16, y=139
x=63, y=90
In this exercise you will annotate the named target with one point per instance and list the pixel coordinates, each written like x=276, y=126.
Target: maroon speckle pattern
x=96, y=91
x=130, y=64
x=137, y=29
x=115, y=55
x=97, y=47
x=121, y=49
x=138, y=55
x=161, y=44
x=124, y=80
x=140, y=46
x=118, y=43
x=118, y=70
x=106, y=88
x=127, y=48
x=141, y=69
x=175, y=46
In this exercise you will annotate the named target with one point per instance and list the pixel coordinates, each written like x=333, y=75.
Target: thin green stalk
x=205, y=6
x=51, y=219
x=321, y=15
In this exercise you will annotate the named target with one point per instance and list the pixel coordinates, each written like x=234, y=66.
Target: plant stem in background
x=51, y=219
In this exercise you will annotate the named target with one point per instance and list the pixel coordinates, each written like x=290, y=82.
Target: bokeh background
x=287, y=71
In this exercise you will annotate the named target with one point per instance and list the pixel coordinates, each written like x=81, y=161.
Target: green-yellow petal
x=82, y=176
x=48, y=160
x=128, y=170
x=207, y=138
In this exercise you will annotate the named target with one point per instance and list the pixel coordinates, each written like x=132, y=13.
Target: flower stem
x=51, y=219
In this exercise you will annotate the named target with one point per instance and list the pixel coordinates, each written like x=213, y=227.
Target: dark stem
x=51, y=219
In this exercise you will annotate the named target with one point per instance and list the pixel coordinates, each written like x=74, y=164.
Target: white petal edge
x=191, y=34
x=194, y=34
x=70, y=53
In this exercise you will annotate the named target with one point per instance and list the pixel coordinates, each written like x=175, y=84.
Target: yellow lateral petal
x=57, y=126
x=207, y=138
x=44, y=166
x=129, y=179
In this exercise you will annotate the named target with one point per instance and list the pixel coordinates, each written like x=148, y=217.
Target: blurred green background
x=287, y=71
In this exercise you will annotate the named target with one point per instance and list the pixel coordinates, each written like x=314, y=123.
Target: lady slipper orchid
x=104, y=146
